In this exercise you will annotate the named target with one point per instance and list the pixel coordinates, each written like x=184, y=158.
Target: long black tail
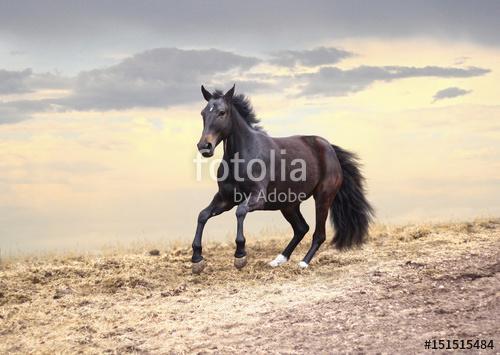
x=350, y=212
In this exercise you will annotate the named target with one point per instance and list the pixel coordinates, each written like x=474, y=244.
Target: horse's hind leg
x=300, y=228
x=323, y=201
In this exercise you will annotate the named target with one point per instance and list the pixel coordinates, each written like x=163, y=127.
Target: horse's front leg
x=252, y=204
x=217, y=206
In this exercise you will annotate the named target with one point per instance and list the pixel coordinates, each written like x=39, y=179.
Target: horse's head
x=216, y=121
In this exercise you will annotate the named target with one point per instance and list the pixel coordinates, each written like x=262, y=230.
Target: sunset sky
x=100, y=109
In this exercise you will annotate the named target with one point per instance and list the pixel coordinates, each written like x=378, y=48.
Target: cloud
x=17, y=52
x=311, y=58
x=461, y=60
x=165, y=77
x=20, y=110
x=155, y=78
x=449, y=93
x=258, y=23
x=159, y=77
x=333, y=81
x=13, y=82
x=24, y=81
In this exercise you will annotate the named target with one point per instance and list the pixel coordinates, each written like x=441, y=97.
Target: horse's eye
x=221, y=113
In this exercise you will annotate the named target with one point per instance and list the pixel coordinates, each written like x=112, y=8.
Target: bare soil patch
x=408, y=284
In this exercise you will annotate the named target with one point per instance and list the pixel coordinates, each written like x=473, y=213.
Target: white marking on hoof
x=240, y=263
x=279, y=260
x=198, y=267
x=303, y=265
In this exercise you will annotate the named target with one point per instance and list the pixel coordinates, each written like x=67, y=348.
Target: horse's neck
x=240, y=140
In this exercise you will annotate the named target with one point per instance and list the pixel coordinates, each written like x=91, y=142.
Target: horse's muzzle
x=206, y=149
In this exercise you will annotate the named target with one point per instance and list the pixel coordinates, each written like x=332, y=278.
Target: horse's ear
x=229, y=94
x=206, y=94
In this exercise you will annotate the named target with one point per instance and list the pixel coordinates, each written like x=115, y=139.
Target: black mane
x=242, y=104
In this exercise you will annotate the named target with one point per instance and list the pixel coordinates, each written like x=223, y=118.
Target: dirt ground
x=408, y=284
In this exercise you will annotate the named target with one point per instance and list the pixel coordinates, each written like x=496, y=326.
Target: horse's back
x=307, y=146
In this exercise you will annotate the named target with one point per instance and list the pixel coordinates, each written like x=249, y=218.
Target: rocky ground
x=408, y=284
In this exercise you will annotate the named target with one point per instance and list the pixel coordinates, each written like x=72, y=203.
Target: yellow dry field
x=406, y=285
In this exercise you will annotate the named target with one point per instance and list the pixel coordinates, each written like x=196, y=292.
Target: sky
x=100, y=109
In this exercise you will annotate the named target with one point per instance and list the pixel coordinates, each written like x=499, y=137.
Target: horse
x=255, y=166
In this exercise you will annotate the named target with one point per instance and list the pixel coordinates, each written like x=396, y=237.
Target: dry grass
x=409, y=283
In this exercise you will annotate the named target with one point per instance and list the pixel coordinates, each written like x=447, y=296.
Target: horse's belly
x=278, y=196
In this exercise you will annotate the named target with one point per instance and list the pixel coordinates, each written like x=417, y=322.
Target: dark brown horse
x=259, y=172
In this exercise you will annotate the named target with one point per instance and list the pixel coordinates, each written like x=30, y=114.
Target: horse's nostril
x=205, y=148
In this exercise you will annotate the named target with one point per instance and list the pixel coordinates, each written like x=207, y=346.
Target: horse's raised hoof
x=279, y=260
x=303, y=265
x=240, y=263
x=198, y=267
